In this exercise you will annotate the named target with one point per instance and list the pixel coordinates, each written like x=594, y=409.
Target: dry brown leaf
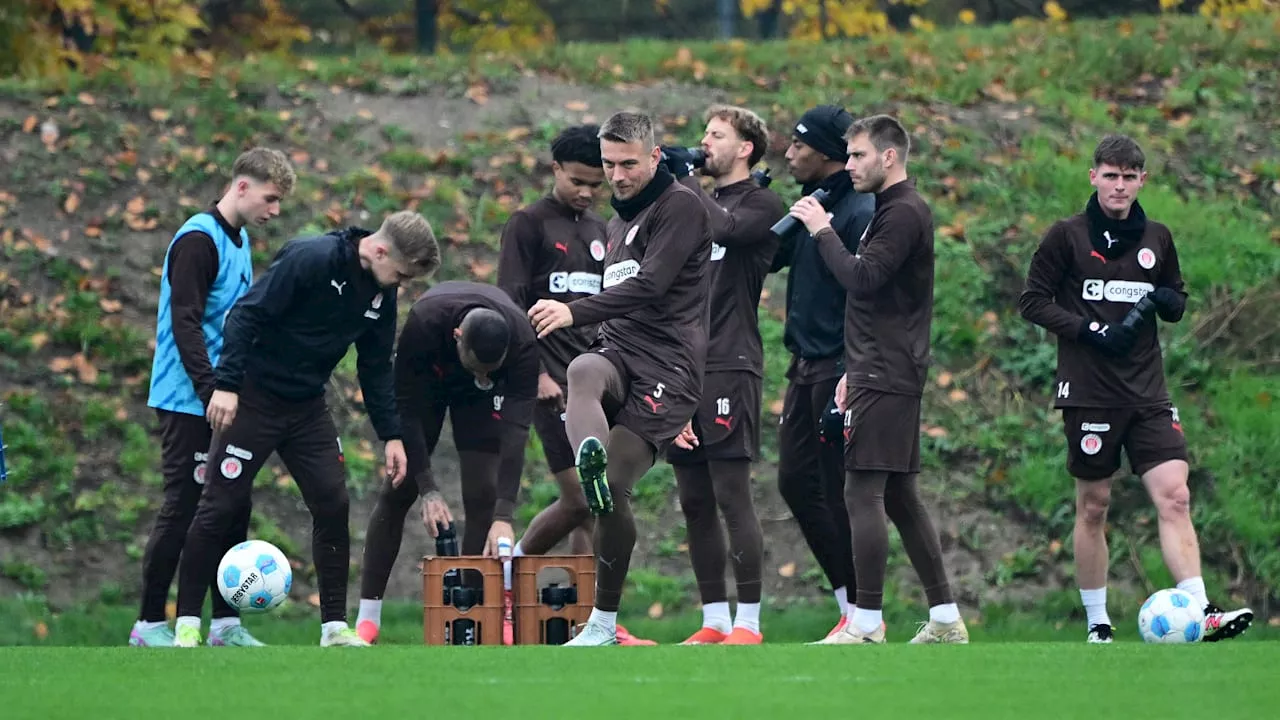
x=777, y=406
x=29, y=125
x=86, y=99
x=41, y=630
x=944, y=379
x=122, y=414
x=299, y=157
x=936, y=432
x=517, y=133
x=481, y=270
x=313, y=599
x=788, y=570
x=160, y=114
x=61, y=364
x=322, y=165
x=958, y=395
x=71, y=203
x=477, y=93
x=655, y=611
x=86, y=371
x=576, y=106
x=1055, y=547
x=364, y=114
x=110, y=306
x=136, y=206
x=38, y=340
x=144, y=176
x=93, y=231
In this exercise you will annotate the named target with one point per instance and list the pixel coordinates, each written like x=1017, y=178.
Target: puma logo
x=338, y=285
x=562, y=248
x=1110, y=240
x=1095, y=253
x=653, y=404
x=727, y=422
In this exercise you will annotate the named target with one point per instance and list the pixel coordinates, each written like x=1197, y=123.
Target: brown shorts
x=548, y=420
x=1095, y=436
x=881, y=431
x=656, y=403
x=727, y=421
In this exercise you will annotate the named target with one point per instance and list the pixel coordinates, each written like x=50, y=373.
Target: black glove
x=831, y=426
x=1169, y=303
x=678, y=160
x=1114, y=340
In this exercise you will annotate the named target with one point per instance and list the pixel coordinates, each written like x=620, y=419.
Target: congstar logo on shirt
x=1119, y=291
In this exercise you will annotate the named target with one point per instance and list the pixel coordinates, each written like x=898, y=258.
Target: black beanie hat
x=822, y=128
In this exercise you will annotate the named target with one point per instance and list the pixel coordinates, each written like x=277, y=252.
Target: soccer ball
x=254, y=576
x=1171, y=616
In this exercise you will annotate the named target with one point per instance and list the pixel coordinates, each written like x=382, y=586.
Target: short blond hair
x=749, y=126
x=266, y=165
x=413, y=240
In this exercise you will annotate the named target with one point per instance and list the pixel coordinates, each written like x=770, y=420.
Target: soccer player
x=1090, y=272
x=282, y=341
x=716, y=473
x=810, y=471
x=467, y=349
x=554, y=249
x=889, y=282
x=642, y=382
x=207, y=267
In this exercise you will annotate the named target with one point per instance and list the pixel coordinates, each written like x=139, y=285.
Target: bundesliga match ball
x=1171, y=616
x=254, y=576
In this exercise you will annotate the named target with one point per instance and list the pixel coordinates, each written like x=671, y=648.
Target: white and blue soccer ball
x=1171, y=616
x=254, y=576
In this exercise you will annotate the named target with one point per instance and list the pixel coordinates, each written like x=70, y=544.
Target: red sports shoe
x=626, y=638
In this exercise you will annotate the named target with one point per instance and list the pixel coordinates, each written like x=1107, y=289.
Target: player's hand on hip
x=497, y=531
x=811, y=213
x=842, y=392
x=549, y=391
x=222, y=410
x=396, y=462
x=550, y=315
x=687, y=439
x=435, y=513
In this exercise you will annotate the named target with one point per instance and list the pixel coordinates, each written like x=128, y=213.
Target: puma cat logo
x=338, y=285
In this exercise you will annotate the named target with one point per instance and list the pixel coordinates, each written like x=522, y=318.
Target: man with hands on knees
x=468, y=350
x=1097, y=281
x=282, y=341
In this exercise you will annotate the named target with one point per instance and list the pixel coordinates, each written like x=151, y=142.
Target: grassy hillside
x=1003, y=120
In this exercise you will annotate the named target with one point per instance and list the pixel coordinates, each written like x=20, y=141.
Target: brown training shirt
x=193, y=268
x=1070, y=282
x=551, y=251
x=889, y=293
x=742, y=250
x=429, y=372
x=653, y=299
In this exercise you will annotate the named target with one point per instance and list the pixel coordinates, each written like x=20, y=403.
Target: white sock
x=748, y=617
x=716, y=616
x=606, y=620
x=330, y=628
x=143, y=625
x=842, y=597
x=867, y=621
x=518, y=550
x=370, y=610
x=1095, y=606
x=1195, y=586
x=189, y=620
x=217, y=625
x=945, y=614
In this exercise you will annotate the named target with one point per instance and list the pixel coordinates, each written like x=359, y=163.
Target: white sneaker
x=594, y=635
x=342, y=637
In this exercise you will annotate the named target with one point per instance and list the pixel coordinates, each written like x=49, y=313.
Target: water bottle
x=788, y=224
x=1138, y=315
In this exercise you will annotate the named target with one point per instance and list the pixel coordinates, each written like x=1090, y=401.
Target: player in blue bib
x=207, y=267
